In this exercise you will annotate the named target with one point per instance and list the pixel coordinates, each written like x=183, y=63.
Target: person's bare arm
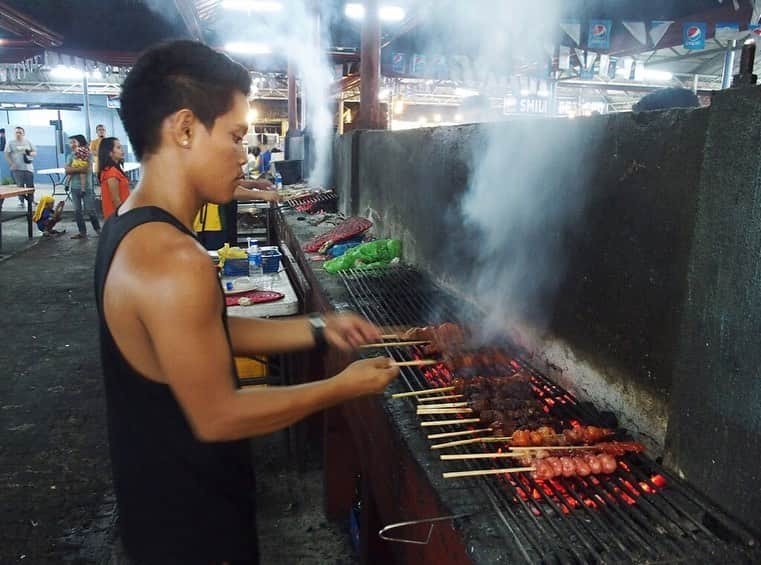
x=189, y=340
x=8, y=158
x=242, y=193
x=251, y=336
x=258, y=184
x=113, y=190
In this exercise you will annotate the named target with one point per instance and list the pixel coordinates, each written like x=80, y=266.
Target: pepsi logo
x=599, y=30
x=397, y=57
x=757, y=31
x=694, y=33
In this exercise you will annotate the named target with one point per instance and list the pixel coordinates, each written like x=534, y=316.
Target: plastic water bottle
x=254, y=258
x=278, y=181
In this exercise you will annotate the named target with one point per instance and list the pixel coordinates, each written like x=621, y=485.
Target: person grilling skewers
x=178, y=423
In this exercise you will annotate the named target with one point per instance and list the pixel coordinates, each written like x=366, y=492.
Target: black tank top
x=180, y=500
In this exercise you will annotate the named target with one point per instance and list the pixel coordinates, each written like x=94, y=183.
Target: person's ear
x=182, y=125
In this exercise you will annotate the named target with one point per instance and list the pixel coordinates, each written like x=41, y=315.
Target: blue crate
x=235, y=268
x=270, y=260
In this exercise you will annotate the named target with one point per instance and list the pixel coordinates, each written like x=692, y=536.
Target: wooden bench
x=10, y=192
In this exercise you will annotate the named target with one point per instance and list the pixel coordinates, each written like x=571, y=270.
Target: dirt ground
x=56, y=501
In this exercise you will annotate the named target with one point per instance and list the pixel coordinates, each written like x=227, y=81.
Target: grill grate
x=639, y=514
x=313, y=203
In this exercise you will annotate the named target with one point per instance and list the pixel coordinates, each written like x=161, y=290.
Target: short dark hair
x=100, y=126
x=2, y=130
x=22, y=129
x=80, y=139
x=175, y=75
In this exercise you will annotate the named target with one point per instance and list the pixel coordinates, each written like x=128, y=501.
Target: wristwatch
x=317, y=323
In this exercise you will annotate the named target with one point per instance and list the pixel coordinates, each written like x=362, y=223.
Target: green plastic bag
x=370, y=255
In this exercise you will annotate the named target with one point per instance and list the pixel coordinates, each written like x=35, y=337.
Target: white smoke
x=527, y=175
x=293, y=33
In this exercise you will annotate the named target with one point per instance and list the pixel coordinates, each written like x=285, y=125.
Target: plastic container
x=235, y=268
x=271, y=261
x=254, y=258
x=278, y=181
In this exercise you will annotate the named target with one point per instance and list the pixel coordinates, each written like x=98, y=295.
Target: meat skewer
x=444, y=337
x=435, y=398
x=612, y=448
x=552, y=467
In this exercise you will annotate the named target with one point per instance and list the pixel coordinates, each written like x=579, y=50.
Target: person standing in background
x=100, y=133
x=81, y=191
x=2, y=139
x=114, y=184
x=20, y=155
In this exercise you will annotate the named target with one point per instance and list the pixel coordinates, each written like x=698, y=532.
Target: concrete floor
x=56, y=501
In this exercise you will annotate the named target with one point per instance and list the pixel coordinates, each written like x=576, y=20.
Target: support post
x=369, y=71
x=86, y=95
x=729, y=65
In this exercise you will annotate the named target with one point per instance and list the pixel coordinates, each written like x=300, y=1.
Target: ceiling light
x=355, y=11
x=246, y=48
x=66, y=73
x=252, y=5
x=391, y=13
x=652, y=74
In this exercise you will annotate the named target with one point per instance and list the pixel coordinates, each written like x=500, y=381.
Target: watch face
x=317, y=322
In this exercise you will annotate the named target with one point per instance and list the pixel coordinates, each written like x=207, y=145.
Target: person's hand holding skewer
x=367, y=376
x=349, y=331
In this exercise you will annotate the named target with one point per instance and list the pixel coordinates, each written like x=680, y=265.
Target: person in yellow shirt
x=216, y=225
x=100, y=132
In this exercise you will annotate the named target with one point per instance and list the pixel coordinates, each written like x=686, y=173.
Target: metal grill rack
x=640, y=514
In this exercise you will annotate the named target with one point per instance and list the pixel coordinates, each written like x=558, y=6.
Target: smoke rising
x=527, y=175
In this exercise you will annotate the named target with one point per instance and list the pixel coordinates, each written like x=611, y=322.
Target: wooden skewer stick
x=435, y=398
x=392, y=344
x=421, y=412
x=556, y=447
x=416, y=363
x=481, y=472
x=424, y=391
x=391, y=336
x=471, y=441
x=442, y=405
x=458, y=434
x=466, y=456
x=454, y=422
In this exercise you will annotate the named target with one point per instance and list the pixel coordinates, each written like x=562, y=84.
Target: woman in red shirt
x=114, y=185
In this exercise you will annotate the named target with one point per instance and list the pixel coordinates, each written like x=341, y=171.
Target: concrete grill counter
x=377, y=445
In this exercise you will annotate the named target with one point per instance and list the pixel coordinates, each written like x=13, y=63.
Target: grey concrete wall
x=612, y=320
x=714, y=436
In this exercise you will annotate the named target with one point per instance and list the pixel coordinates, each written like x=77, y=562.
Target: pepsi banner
x=599, y=34
x=755, y=30
x=694, y=35
x=399, y=63
x=417, y=66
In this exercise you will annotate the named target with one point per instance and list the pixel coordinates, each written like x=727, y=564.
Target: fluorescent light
x=391, y=13
x=252, y=5
x=252, y=115
x=247, y=48
x=356, y=11
x=652, y=74
x=437, y=117
x=458, y=117
x=66, y=73
x=463, y=92
x=399, y=106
